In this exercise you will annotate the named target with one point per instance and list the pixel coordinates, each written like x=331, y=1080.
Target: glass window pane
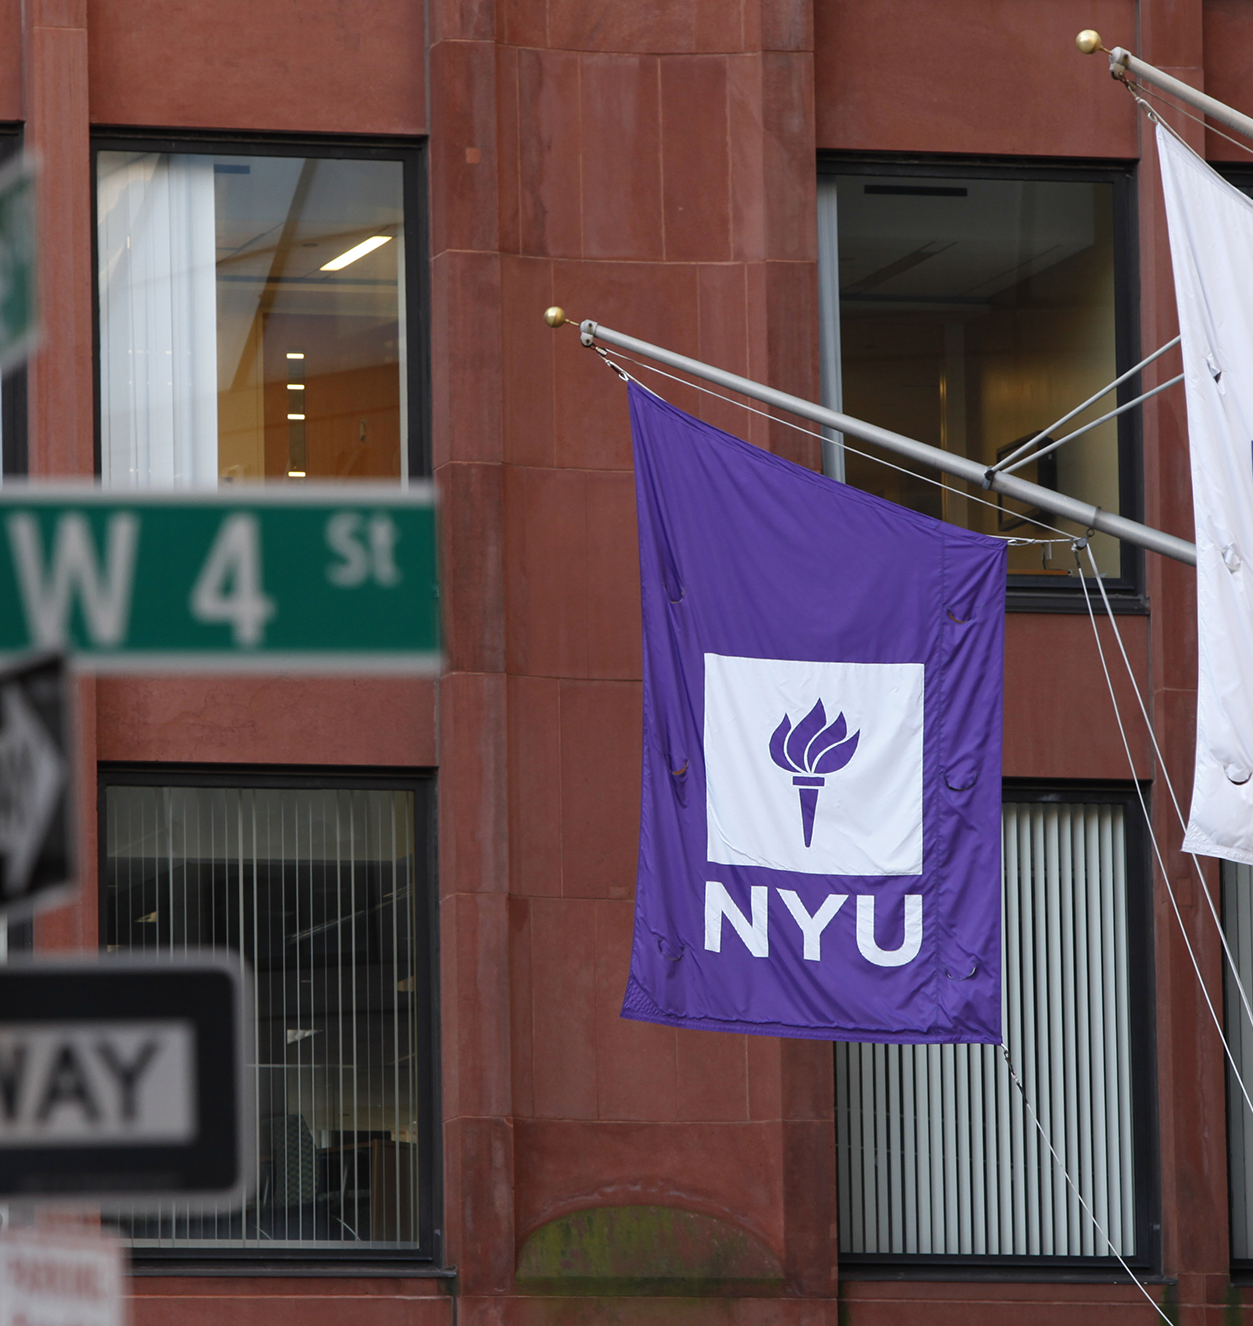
x=972, y=313
x=315, y=891
x=252, y=318
x=937, y=1154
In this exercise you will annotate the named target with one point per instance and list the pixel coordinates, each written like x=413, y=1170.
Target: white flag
x=1211, y=248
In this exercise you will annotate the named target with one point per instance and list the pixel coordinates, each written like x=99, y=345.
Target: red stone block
x=546, y=565
x=462, y=21
x=475, y=1044
x=527, y=347
x=784, y=25
x=765, y=1077
x=534, y=786
x=1227, y=36
x=788, y=149
x=652, y=26
x=333, y=69
x=1055, y=730
x=471, y=575
x=473, y=810
x=696, y=161
x=600, y=787
x=479, y=1229
x=60, y=381
x=656, y=302
x=613, y=573
x=565, y=1064
x=189, y=1307
x=267, y=720
x=748, y=203
x=521, y=1004
x=727, y=1170
x=522, y=23
x=550, y=153
x=463, y=146
x=724, y=338
x=637, y=1071
x=11, y=108
x=718, y=26
x=621, y=168
x=974, y=99
x=807, y=1080
x=712, y=1075
x=808, y=1162
x=465, y=357
x=508, y=183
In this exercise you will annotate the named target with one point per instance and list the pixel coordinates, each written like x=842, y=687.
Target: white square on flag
x=858, y=784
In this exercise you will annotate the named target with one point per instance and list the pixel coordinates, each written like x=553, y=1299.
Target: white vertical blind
x=1238, y=923
x=936, y=1152
x=314, y=891
x=158, y=319
x=832, y=373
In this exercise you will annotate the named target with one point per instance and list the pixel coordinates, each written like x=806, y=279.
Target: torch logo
x=811, y=750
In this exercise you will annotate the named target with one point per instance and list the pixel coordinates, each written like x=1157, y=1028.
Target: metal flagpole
x=1121, y=61
x=1084, y=514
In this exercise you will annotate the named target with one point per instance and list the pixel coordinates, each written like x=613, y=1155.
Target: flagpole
x=1121, y=61
x=1083, y=514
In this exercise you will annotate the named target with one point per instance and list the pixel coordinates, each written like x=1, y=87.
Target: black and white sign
x=123, y=1078
x=36, y=855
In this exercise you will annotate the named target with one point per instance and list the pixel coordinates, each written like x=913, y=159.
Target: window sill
x=1072, y=601
x=971, y=1272
x=300, y=1265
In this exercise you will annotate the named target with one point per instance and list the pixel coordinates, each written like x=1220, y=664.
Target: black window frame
x=410, y=152
x=428, y=1260
x=1127, y=592
x=14, y=453
x=1147, y=1261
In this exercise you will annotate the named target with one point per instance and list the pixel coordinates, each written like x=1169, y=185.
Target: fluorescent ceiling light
x=295, y=386
x=295, y=354
x=295, y=416
x=357, y=251
x=295, y=474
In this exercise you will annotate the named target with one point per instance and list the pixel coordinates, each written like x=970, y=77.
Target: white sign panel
x=100, y=1083
x=814, y=767
x=59, y=1280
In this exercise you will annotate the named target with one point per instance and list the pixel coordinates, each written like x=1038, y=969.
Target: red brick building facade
x=653, y=166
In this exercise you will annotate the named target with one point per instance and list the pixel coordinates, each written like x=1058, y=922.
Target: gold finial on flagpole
x=555, y=317
x=1089, y=41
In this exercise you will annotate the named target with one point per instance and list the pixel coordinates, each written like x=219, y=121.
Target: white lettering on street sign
x=32, y=774
x=97, y=1083
x=60, y=1280
x=105, y=594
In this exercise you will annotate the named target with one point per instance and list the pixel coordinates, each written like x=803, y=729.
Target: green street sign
x=18, y=327
x=290, y=579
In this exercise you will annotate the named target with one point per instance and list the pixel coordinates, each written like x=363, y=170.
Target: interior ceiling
x=953, y=241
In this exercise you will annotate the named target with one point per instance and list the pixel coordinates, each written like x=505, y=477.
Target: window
x=322, y=887
x=1238, y=924
x=256, y=312
x=938, y=1160
x=970, y=308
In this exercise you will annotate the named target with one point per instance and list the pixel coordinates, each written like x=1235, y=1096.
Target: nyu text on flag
x=820, y=817
x=1211, y=250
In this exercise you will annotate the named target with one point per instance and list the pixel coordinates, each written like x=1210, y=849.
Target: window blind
x=1238, y=923
x=314, y=891
x=936, y=1153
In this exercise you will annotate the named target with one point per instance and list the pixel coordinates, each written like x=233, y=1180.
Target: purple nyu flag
x=820, y=826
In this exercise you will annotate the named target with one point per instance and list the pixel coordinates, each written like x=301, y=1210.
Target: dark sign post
x=36, y=841
x=122, y=1079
